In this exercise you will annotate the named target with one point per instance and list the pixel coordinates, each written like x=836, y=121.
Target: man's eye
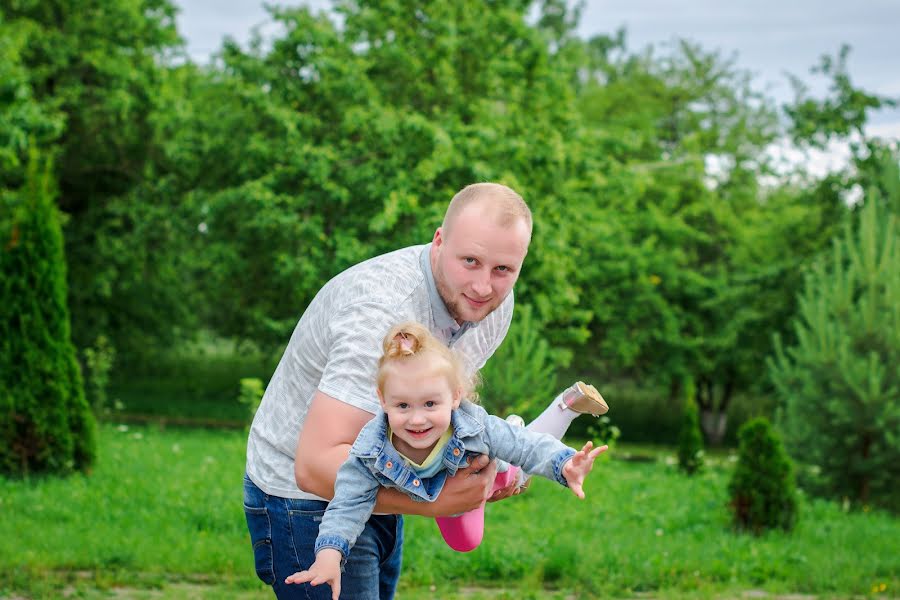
x=503, y=268
x=469, y=260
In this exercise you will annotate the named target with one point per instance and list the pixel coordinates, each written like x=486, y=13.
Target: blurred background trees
x=204, y=205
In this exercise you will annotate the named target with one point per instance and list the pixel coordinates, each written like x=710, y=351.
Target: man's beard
x=454, y=306
x=444, y=293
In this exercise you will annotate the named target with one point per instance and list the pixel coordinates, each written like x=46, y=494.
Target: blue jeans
x=283, y=533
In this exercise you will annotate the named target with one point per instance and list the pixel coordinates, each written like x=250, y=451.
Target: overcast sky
x=770, y=37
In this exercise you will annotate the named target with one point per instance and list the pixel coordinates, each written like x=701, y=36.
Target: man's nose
x=482, y=284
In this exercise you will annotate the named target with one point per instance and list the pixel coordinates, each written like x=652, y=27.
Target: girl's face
x=418, y=399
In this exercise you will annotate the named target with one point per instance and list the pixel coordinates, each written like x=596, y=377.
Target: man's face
x=477, y=263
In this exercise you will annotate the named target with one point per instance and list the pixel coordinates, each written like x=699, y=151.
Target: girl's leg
x=464, y=532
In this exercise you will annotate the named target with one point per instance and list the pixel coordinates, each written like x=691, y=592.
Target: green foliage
x=843, y=113
x=840, y=383
x=761, y=491
x=47, y=424
x=690, y=439
x=98, y=360
x=251, y=394
x=89, y=80
x=24, y=121
x=602, y=431
x=521, y=376
x=222, y=197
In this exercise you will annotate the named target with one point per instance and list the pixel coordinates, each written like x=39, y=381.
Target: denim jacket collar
x=373, y=447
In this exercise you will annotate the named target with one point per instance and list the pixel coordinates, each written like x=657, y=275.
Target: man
x=323, y=390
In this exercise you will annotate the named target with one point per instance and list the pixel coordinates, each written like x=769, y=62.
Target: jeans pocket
x=260, y=535
x=305, y=517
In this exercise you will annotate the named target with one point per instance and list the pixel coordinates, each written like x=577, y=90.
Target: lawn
x=161, y=516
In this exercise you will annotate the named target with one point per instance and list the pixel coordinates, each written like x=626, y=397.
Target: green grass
x=161, y=516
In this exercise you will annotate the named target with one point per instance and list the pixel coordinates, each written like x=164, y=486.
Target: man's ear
x=438, y=238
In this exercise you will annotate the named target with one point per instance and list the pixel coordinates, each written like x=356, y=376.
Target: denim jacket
x=374, y=463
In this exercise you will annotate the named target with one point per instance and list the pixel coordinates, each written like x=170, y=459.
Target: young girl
x=424, y=433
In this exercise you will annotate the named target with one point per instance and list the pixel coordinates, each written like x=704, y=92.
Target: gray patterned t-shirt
x=335, y=349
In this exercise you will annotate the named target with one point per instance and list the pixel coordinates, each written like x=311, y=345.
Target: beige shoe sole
x=590, y=402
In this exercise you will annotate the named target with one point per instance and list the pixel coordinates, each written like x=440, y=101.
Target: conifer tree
x=46, y=423
x=690, y=438
x=840, y=382
x=762, y=487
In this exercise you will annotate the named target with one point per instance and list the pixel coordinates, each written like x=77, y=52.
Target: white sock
x=555, y=419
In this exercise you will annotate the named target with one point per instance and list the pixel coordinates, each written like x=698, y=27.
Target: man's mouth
x=474, y=302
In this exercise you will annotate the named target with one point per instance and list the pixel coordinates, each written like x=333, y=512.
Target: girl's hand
x=580, y=465
x=326, y=569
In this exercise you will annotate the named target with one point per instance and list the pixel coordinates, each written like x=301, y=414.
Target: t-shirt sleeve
x=356, y=334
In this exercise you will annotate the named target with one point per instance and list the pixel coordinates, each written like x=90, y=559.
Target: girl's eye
x=403, y=406
x=430, y=404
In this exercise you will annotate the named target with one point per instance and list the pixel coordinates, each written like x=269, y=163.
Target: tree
x=762, y=486
x=47, y=424
x=839, y=383
x=675, y=264
x=97, y=68
x=353, y=138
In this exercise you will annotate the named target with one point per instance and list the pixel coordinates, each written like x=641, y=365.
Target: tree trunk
x=714, y=424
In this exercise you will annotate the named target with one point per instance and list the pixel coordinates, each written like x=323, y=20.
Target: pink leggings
x=464, y=532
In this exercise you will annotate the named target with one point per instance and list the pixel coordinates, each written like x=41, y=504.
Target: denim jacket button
x=416, y=482
x=389, y=464
x=456, y=452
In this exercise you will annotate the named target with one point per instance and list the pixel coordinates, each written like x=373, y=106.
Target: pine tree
x=47, y=425
x=840, y=383
x=762, y=487
x=690, y=439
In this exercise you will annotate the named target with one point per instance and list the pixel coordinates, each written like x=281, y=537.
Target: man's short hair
x=501, y=201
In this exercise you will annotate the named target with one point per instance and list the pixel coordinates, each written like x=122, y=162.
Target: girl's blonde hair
x=410, y=339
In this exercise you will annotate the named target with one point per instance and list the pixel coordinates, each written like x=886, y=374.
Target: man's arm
x=329, y=431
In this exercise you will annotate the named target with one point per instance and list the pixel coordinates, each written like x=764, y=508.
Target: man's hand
x=511, y=489
x=326, y=569
x=576, y=469
x=467, y=489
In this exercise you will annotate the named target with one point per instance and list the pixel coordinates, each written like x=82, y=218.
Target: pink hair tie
x=406, y=344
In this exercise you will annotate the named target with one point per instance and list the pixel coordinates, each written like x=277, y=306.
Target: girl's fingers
x=597, y=451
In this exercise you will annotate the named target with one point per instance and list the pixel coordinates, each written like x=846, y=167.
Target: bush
x=251, y=394
x=762, y=487
x=47, y=425
x=521, y=376
x=839, y=383
x=690, y=439
x=98, y=360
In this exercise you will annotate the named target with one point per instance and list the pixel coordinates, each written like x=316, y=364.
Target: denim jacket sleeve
x=536, y=453
x=354, y=500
